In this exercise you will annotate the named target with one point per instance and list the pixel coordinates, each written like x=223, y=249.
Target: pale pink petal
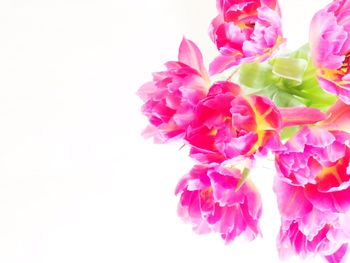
x=291, y=200
x=221, y=63
x=315, y=221
x=338, y=117
x=335, y=88
x=339, y=256
x=190, y=55
x=326, y=40
x=300, y=116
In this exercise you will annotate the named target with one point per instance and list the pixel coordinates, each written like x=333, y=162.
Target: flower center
x=336, y=76
x=206, y=193
x=345, y=66
x=331, y=171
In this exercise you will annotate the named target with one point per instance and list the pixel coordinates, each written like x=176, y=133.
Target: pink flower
x=245, y=31
x=307, y=230
x=228, y=125
x=330, y=48
x=313, y=188
x=318, y=160
x=211, y=199
x=291, y=240
x=173, y=94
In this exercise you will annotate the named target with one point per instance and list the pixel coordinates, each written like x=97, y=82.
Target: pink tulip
x=318, y=160
x=307, y=230
x=211, y=199
x=173, y=94
x=313, y=188
x=330, y=48
x=245, y=31
x=229, y=125
x=292, y=241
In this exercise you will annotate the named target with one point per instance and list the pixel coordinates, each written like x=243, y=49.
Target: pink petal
x=291, y=200
x=334, y=87
x=339, y=256
x=333, y=201
x=146, y=89
x=221, y=63
x=326, y=40
x=190, y=55
x=267, y=111
x=300, y=116
x=315, y=221
x=338, y=117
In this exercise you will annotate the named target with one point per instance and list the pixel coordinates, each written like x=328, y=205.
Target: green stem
x=244, y=178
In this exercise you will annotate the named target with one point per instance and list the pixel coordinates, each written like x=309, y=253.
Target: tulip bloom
x=170, y=98
x=211, y=199
x=307, y=230
x=245, y=31
x=318, y=160
x=330, y=48
x=313, y=188
x=292, y=240
x=228, y=125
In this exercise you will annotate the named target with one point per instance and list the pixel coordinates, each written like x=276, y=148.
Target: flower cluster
x=295, y=106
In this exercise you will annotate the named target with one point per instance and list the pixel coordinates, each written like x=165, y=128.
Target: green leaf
x=289, y=81
x=284, y=99
x=290, y=68
x=288, y=132
x=256, y=75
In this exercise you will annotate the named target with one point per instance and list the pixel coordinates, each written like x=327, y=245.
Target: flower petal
x=300, y=116
x=190, y=55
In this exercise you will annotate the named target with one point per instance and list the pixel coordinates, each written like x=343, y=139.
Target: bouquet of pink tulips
x=294, y=105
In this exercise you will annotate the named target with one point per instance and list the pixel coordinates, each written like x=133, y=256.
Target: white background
x=77, y=181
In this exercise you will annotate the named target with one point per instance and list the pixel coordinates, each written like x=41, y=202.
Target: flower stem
x=243, y=179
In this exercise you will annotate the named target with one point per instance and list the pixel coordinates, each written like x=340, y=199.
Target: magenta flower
x=245, y=31
x=171, y=97
x=293, y=241
x=318, y=160
x=307, y=230
x=229, y=125
x=313, y=188
x=213, y=200
x=330, y=48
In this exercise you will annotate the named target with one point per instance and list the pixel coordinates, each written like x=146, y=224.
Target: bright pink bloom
x=173, y=94
x=307, y=230
x=330, y=48
x=228, y=125
x=313, y=188
x=291, y=240
x=212, y=200
x=318, y=160
x=245, y=31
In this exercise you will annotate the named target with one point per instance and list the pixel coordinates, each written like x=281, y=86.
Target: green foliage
x=289, y=81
